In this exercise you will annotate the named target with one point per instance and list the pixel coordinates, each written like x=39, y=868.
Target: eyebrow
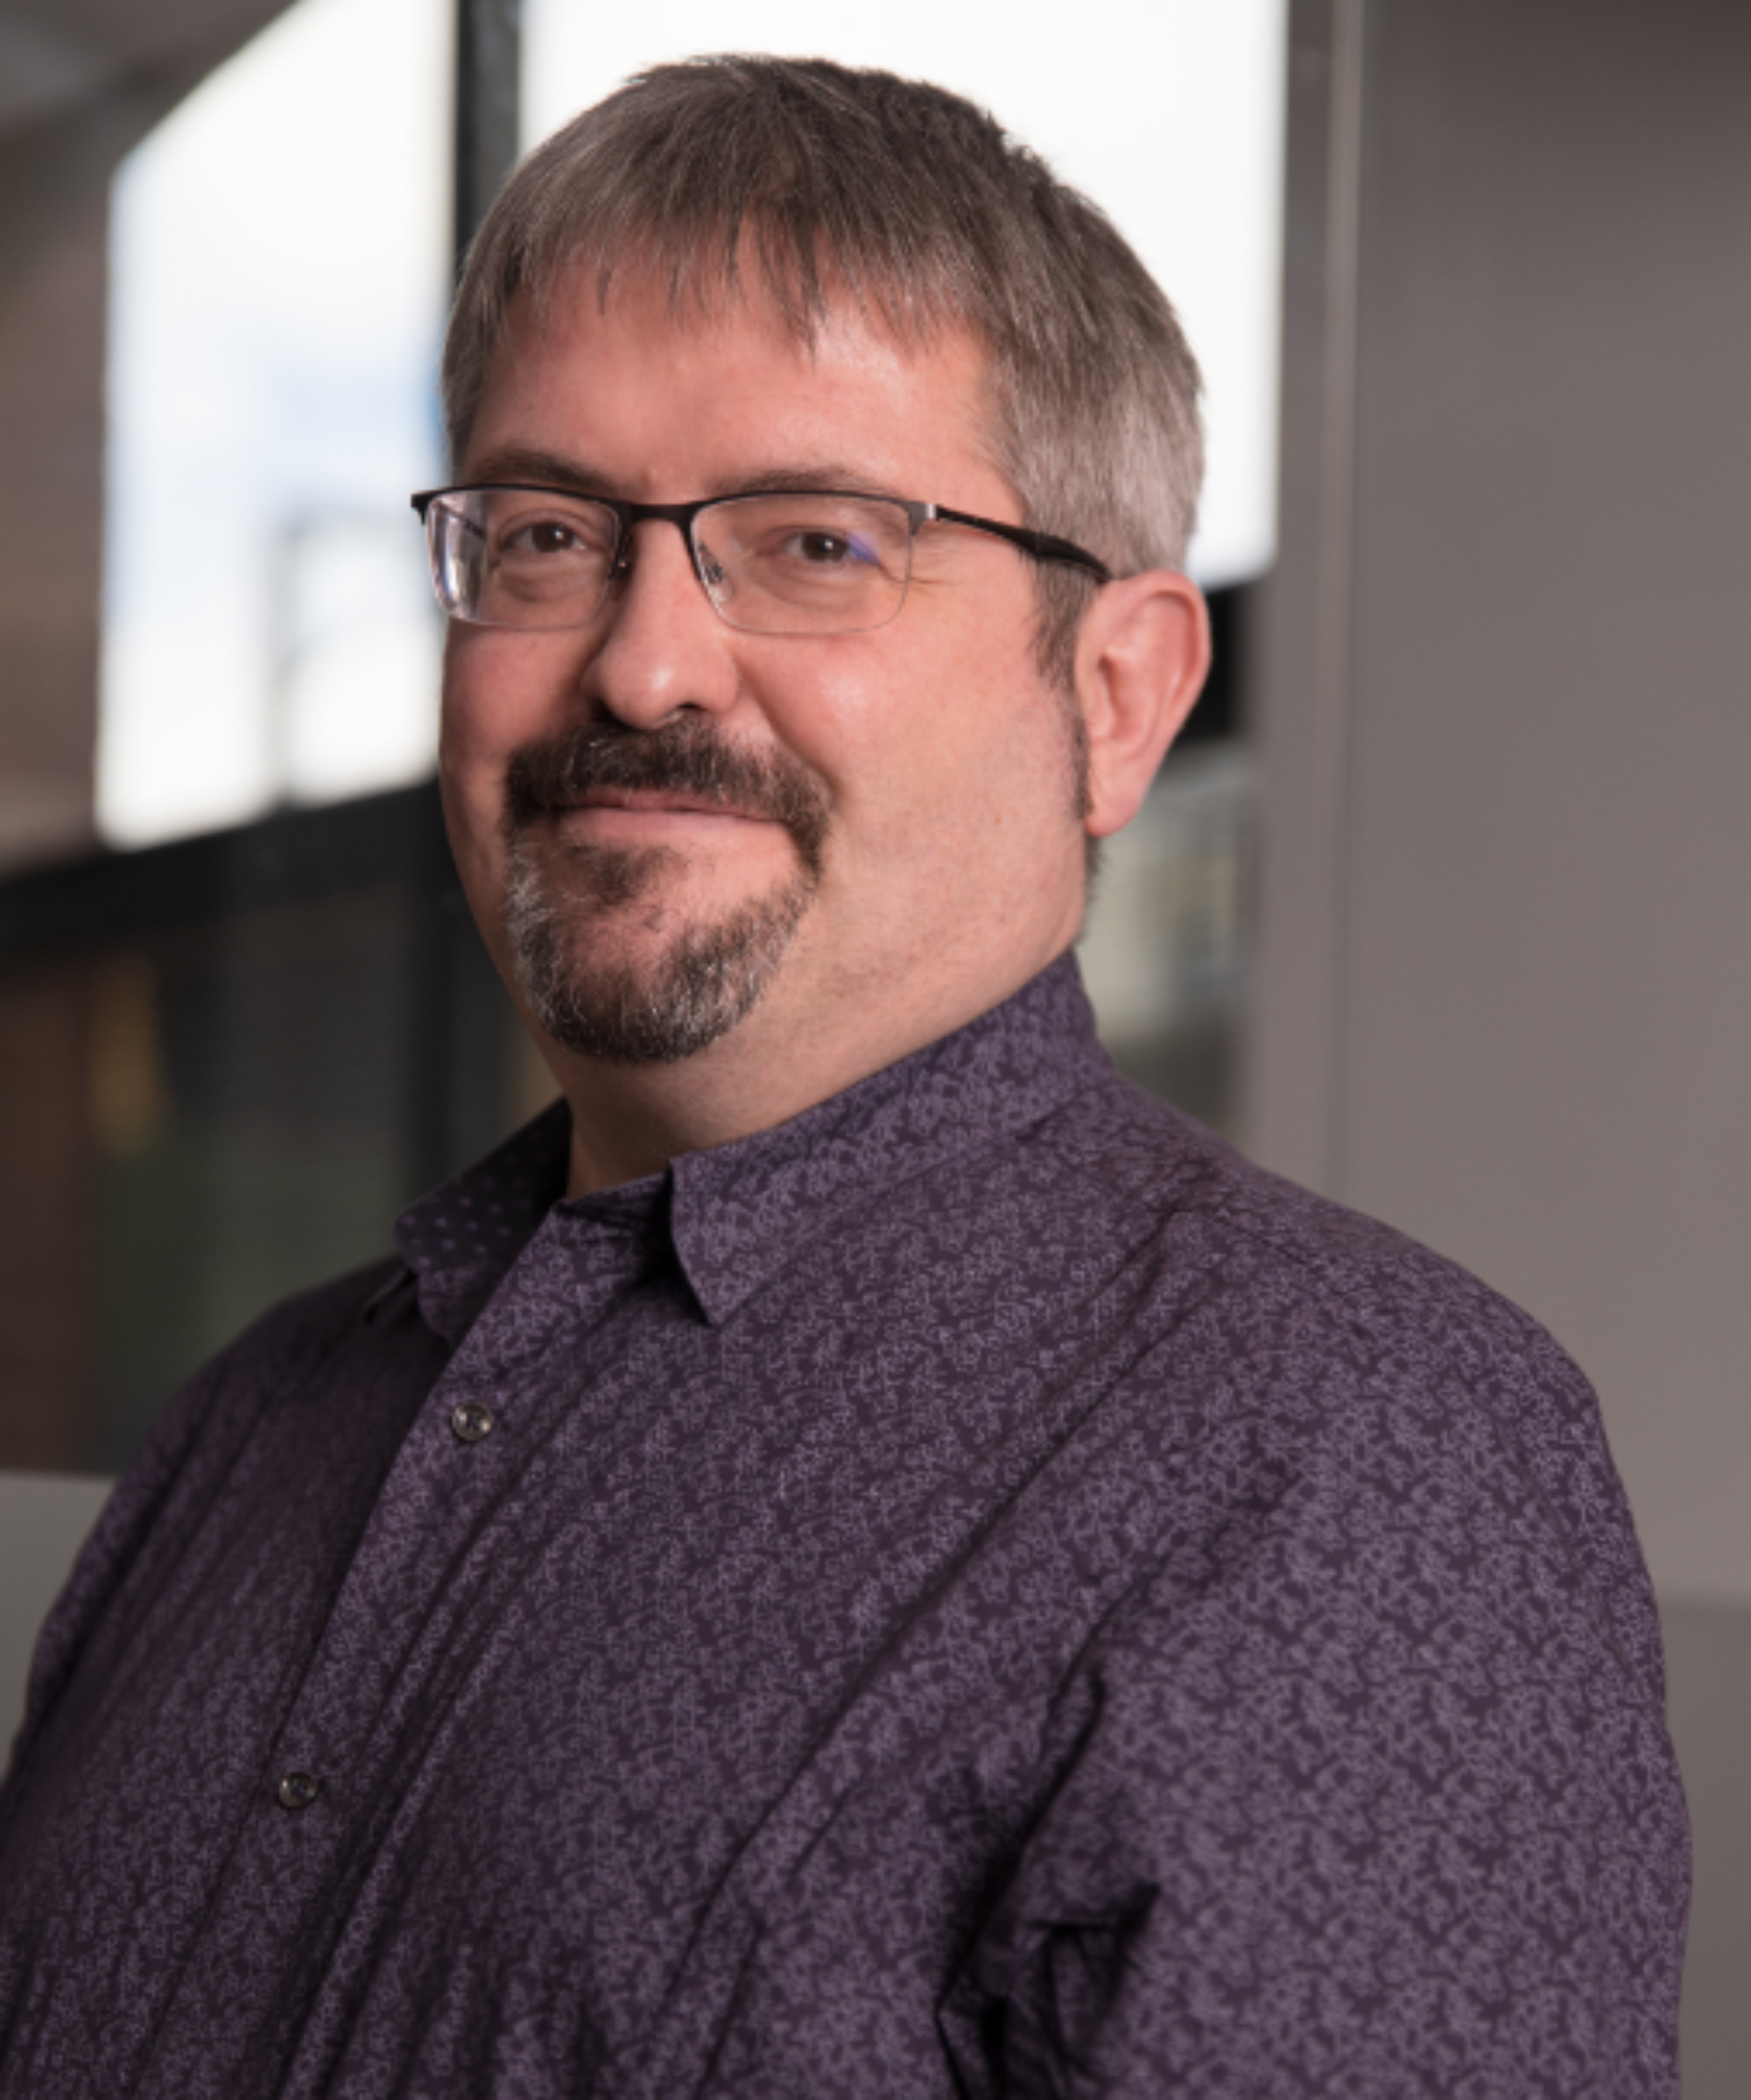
x=550, y=470
x=827, y=476
x=556, y=471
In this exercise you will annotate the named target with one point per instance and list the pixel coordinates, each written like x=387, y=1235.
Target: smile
x=649, y=813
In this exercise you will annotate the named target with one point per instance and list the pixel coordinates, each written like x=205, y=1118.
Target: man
x=859, y=1556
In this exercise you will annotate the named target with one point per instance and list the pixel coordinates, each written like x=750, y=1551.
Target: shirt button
x=471, y=1421
x=299, y=1789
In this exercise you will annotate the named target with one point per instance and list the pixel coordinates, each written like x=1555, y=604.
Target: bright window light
x=1168, y=113
x=279, y=259
x=279, y=253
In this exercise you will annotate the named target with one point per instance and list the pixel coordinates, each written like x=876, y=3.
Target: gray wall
x=1502, y=995
x=44, y=1517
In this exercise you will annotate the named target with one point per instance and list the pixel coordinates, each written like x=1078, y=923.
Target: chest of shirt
x=636, y=1603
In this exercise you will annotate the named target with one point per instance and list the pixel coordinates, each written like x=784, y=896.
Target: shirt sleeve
x=1367, y=1790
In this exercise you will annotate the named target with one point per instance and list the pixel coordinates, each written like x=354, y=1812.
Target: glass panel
x=1165, y=953
x=1168, y=112
x=226, y=1064
x=279, y=267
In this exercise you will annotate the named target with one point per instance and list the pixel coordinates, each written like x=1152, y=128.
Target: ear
x=1141, y=659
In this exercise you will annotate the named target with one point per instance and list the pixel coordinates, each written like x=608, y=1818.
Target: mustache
x=689, y=755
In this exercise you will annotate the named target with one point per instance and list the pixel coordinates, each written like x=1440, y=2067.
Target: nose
x=664, y=648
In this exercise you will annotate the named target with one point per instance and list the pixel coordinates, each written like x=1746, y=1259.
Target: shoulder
x=282, y=1348
x=216, y=1410
x=1364, y=1361
x=189, y=1451
x=1307, y=1270
x=1392, y=1633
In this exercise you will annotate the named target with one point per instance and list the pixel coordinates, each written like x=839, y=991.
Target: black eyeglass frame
x=1043, y=547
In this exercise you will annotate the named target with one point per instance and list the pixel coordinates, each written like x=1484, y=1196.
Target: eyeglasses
x=784, y=561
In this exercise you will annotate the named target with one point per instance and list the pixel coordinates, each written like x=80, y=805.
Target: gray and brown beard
x=712, y=974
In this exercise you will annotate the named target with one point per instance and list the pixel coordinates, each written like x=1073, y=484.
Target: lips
x=660, y=801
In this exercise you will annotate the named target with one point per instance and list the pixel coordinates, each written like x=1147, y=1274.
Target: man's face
x=673, y=832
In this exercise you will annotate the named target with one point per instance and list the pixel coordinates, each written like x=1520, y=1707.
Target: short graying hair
x=914, y=204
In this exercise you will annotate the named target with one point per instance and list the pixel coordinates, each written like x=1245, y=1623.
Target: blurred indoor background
x=1438, y=908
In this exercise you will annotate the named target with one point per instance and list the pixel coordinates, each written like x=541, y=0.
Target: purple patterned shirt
x=977, y=1591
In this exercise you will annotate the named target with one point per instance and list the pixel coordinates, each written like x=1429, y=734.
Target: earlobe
x=1141, y=661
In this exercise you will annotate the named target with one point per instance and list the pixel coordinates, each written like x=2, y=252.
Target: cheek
x=900, y=734
x=500, y=689
x=465, y=711
x=480, y=726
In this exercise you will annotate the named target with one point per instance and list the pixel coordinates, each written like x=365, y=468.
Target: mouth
x=639, y=800
x=602, y=784
x=650, y=815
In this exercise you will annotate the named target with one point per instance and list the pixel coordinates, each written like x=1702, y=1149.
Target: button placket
x=435, y=1493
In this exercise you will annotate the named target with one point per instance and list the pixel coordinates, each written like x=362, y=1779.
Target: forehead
x=632, y=387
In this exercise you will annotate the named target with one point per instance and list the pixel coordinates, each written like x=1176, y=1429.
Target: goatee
x=584, y=991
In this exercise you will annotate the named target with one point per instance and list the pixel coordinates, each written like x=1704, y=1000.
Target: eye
x=528, y=531
x=542, y=536
x=829, y=550
x=542, y=549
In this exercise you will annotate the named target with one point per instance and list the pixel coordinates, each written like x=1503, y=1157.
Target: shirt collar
x=740, y=1212
x=460, y=1240
x=737, y=1214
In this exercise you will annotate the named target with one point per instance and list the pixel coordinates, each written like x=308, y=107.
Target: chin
x=625, y=995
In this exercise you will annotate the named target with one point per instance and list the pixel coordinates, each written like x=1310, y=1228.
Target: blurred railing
x=226, y=1063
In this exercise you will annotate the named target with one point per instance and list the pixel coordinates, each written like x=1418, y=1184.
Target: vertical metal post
x=1330, y=784
x=489, y=65
x=460, y=1022
x=1297, y=1049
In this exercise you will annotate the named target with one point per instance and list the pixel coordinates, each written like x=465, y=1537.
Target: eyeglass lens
x=777, y=564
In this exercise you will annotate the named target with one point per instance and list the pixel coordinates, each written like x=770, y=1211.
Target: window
x=280, y=247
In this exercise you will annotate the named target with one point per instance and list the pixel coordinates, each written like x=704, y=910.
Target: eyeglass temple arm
x=1042, y=545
